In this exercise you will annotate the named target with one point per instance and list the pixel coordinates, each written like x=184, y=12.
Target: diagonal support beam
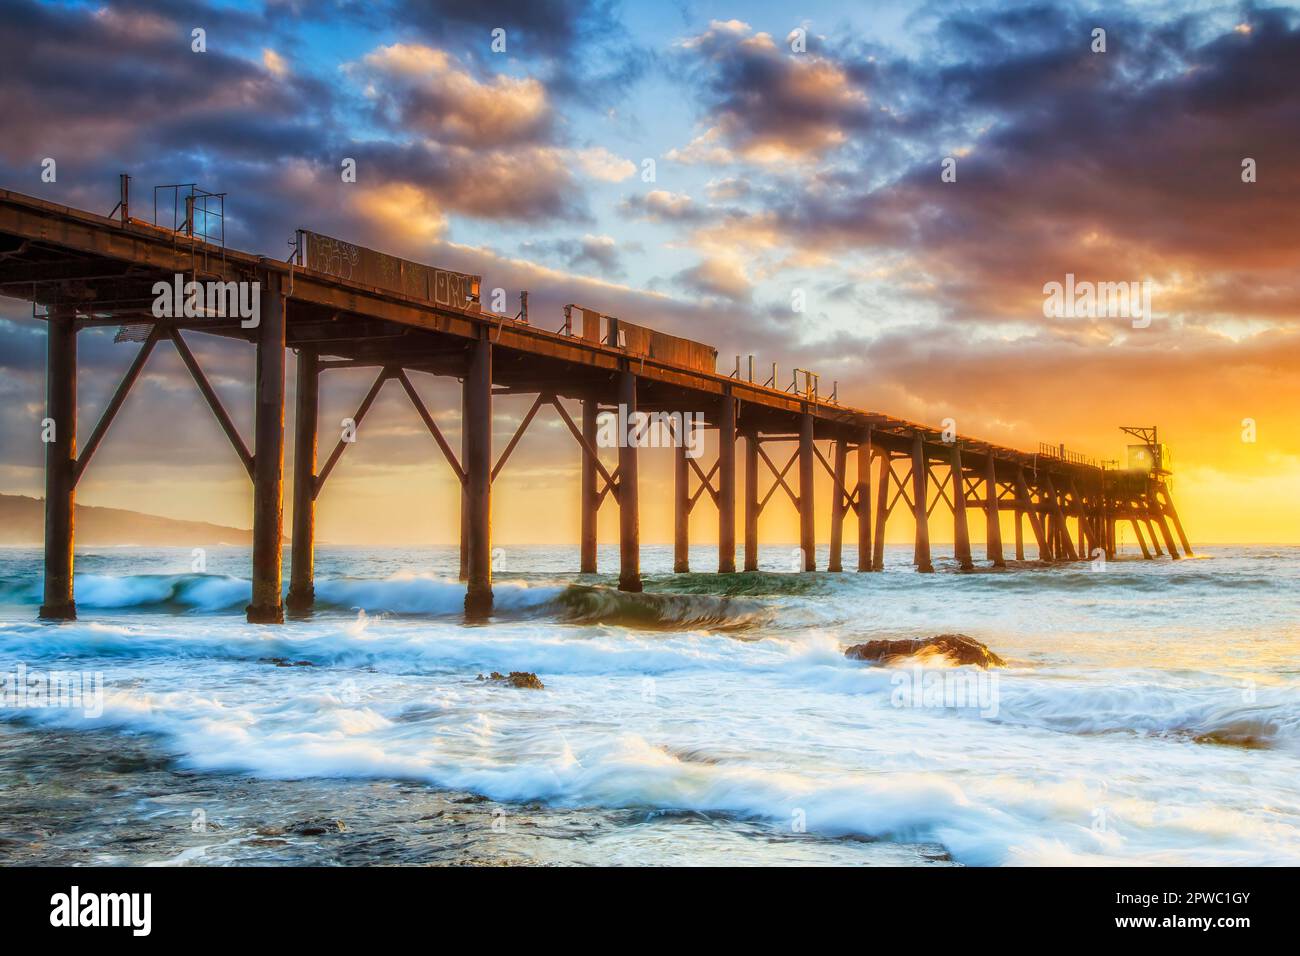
x=213, y=401
x=519, y=433
x=586, y=445
x=780, y=478
x=429, y=423
x=706, y=481
x=115, y=403
x=384, y=375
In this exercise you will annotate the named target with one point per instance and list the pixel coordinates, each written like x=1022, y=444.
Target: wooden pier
x=338, y=305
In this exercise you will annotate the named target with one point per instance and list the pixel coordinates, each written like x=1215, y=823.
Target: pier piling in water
x=60, y=462
x=268, y=457
x=302, y=583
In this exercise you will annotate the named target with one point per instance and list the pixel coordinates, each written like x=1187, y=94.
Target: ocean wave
x=591, y=605
x=412, y=594
x=1211, y=715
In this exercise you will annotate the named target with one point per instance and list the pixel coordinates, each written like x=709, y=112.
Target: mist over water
x=1148, y=713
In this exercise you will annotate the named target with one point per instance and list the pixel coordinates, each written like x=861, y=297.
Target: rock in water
x=958, y=648
x=523, y=679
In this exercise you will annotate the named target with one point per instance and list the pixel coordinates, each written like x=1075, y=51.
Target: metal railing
x=195, y=212
x=1061, y=453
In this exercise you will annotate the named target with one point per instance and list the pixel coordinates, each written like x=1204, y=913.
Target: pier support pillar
x=1137, y=533
x=268, y=459
x=1035, y=519
x=921, y=506
x=1161, y=523
x=727, y=486
x=302, y=570
x=60, y=463
x=629, y=526
x=838, y=506
x=751, y=500
x=1173, y=516
x=464, y=488
x=864, y=502
x=1020, y=535
x=588, y=506
x=882, y=511
x=681, y=509
x=1151, y=533
x=961, y=530
x=1064, y=548
x=478, y=477
x=807, y=513
x=992, y=515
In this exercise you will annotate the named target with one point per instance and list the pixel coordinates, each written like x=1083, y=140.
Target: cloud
x=422, y=90
x=601, y=253
x=660, y=205
x=766, y=104
x=599, y=163
x=718, y=276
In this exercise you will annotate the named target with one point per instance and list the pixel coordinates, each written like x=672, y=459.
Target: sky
x=764, y=177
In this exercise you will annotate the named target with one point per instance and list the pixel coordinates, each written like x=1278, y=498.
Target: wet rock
x=318, y=827
x=284, y=662
x=958, y=648
x=522, y=679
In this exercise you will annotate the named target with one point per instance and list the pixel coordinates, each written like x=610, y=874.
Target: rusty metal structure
x=338, y=305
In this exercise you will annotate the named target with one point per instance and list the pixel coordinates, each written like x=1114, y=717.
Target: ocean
x=1147, y=714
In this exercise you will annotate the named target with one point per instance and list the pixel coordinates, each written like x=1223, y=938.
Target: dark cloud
x=599, y=253
x=1114, y=166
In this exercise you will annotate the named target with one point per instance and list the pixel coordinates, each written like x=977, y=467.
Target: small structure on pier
x=342, y=306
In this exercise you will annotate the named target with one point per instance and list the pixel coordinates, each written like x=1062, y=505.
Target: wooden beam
x=629, y=569
x=302, y=567
x=807, y=528
x=864, y=501
x=726, y=496
x=214, y=403
x=341, y=446
x=115, y=403
x=59, y=603
x=268, y=460
x=478, y=478
x=920, y=499
x=519, y=433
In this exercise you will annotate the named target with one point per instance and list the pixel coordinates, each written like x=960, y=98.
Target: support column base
x=630, y=584
x=681, y=567
x=265, y=614
x=727, y=568
x=303, y=600
x=58, y=612
x=925, y=569
x=478, y=602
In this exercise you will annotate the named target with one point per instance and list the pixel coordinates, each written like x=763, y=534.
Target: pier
x=339, y=305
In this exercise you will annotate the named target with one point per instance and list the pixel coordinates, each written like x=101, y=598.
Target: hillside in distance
x=22, y=524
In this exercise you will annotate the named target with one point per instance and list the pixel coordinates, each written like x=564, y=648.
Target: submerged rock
x=958, y=648
x=317, y=828
x=284, y=662
x=523, y=679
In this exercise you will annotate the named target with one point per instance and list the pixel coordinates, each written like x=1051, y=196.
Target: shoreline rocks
x=525, y=680
x=958, y=648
